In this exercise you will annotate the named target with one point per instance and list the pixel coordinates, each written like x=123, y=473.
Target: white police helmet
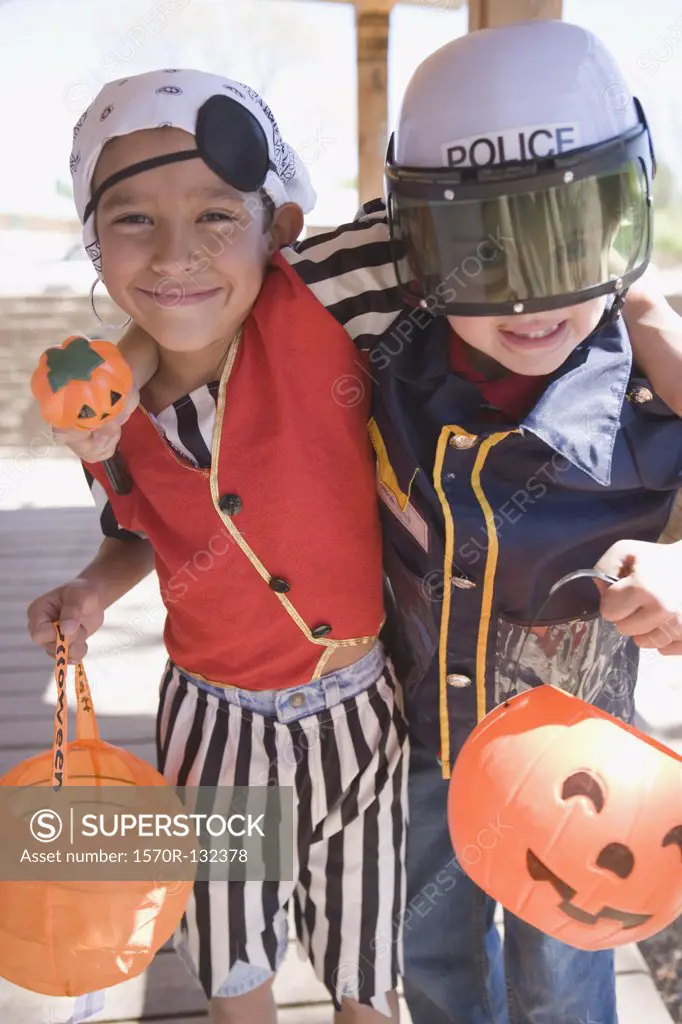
x=519, y=176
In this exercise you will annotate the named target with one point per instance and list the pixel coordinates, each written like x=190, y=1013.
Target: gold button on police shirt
x=297, y=700
x=640, y=395
x=459, y=681
x=462, y=442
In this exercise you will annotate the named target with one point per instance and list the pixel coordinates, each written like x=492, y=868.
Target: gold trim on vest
x=280, y=593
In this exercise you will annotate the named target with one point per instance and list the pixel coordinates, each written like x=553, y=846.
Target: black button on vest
x=279, y=585
x=321, y=630
x=231, y=504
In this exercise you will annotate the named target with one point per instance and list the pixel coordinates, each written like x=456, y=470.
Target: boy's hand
x=98, y=445
x=646, y=603
x=77, y=606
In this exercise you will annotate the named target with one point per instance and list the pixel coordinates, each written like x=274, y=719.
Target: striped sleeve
x=188, y=424
x=107, y=520
x=350, y=271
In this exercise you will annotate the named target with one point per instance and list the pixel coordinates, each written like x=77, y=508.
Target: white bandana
x=173, y=98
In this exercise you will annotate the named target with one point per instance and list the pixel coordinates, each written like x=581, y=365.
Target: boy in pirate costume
x=275, y=672
x=503, y=372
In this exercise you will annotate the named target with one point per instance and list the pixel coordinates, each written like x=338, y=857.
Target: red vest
x=259, y=591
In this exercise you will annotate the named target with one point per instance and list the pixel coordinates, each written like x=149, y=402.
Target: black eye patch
x=230, y=140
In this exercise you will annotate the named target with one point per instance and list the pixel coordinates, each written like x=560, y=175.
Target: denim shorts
x=300, y=701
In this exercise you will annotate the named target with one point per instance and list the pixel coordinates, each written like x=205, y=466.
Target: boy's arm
x=350, y=271
x=141, y=353
x=646, y=602
x=79, y=605
x=655, y=332
x=118, y=566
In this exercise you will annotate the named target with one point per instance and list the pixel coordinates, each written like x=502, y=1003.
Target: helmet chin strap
x=610, y=315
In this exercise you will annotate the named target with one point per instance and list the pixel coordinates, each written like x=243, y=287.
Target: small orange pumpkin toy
x=65, y=937
x=79, y=385
x=570, y=819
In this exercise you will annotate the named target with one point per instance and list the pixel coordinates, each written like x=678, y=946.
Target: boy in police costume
x=529, y=447
x=515, y=441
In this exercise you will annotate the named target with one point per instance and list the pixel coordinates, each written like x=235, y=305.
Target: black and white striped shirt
x=350, y=271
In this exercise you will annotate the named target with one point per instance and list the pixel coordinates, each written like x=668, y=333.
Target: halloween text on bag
x=58, y=774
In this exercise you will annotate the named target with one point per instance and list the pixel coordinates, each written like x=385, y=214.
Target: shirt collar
x=579, y=413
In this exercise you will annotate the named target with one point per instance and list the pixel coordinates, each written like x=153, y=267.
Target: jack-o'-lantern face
x=586, y=815
x=81, y=383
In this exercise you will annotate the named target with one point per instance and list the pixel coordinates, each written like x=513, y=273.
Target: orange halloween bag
x=69, y=938
x=570, y=818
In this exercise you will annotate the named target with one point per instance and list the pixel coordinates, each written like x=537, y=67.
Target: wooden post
x=372, y=23
x=492, y=13
x=372, y=30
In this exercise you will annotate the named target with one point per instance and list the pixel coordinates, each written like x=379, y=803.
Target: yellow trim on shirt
x=488, y=582
x=490, y=569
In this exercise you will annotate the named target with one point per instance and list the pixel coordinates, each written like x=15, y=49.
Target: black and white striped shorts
x=345, y=751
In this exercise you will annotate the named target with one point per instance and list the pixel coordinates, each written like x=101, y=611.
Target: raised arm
x=141, y=353
x=655, y=331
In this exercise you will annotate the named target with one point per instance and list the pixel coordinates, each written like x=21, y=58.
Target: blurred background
x=55, y=56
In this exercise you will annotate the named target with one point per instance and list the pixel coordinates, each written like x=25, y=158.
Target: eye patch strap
x=138, y=168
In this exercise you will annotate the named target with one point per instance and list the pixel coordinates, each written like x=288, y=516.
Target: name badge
x=391, y=492
x=408, y=516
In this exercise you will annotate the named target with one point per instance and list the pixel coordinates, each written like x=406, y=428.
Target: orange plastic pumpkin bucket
x=69, y=938
x=570, y=819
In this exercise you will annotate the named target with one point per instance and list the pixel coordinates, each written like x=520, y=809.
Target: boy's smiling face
x=183, y=253
x=532, y=345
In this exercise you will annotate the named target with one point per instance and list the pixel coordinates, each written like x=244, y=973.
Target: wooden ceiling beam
x=493, y=13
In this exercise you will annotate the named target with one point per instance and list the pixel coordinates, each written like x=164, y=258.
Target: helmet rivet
x=449, y=194
x=568, y=177
x=518, y=307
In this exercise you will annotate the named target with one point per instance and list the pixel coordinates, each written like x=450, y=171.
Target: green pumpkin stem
x=75, y=362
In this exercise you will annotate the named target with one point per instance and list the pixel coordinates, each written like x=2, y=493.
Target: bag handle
x=86, y=722
x=597, y=574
